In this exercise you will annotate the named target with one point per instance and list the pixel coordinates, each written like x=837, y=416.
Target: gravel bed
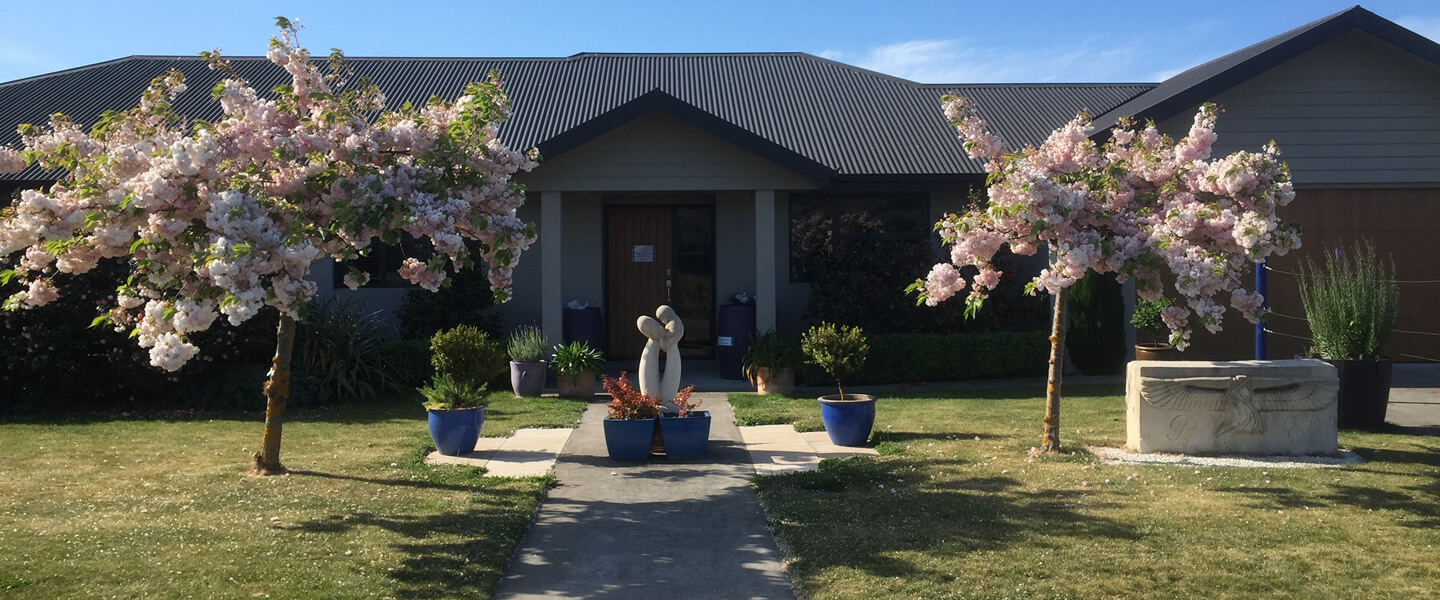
x=1118, y=456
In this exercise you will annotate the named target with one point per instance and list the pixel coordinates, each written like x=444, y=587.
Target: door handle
x=667, y=286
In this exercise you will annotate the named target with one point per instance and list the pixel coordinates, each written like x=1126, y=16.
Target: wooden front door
x=660, y=255
x=639, y=263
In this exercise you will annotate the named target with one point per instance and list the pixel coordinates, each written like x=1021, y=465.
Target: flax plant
x=1350, y=302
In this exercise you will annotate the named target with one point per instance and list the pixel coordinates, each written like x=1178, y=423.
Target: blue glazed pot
x=527, y=379
x=685, y=438
x=456, y=431
x=629, y=439
x=848, y=422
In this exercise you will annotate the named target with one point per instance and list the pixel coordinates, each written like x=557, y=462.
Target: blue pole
x=1261, y=287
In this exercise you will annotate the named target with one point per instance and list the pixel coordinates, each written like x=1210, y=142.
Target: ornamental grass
x=1350, y=301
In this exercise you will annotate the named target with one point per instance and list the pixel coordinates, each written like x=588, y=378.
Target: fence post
x=1261, y=287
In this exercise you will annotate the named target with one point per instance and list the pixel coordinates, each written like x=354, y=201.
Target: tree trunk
x=1051, y=442
x=277, y=391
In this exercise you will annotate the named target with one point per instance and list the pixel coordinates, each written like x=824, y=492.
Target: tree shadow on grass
x=446, y=555
x=864, y=514
x=408, y=483
x=1419, y=500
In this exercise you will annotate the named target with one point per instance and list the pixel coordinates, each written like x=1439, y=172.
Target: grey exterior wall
x=524, y=306
x=584, y=249
x=383, y=300
x=1354, y=111
x=734, y=245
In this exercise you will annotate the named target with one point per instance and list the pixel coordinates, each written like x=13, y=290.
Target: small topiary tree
x=466, y=354
x=838, y=349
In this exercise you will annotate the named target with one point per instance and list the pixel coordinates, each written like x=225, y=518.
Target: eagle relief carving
x=1242, y=396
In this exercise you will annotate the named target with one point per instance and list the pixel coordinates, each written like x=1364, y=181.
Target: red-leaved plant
x=682, y=400
x=626, y=402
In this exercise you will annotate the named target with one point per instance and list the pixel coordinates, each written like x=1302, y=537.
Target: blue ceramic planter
x=456, y=431
x=848, y=422
x=685, y=438
x=629, y=439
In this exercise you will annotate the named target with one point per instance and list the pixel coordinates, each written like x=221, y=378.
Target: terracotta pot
x=1156, y=352
x=1364, y=392
x=576, y=385
x=774, y=381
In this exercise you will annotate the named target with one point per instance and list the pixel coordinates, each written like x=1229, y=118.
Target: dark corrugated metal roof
x=1206, y=81
x=818, y=116
x=1026, y=114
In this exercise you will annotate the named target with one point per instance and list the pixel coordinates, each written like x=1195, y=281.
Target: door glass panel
x=693, y=296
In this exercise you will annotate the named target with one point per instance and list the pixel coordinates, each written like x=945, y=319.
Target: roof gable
x=1202, y=83
x=659, y=101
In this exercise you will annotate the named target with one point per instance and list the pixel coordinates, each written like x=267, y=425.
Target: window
x=383, y=262
x=820, y=223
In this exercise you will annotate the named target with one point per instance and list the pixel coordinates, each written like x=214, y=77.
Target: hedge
x=915, y=357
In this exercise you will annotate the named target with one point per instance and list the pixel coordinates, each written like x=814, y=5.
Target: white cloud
x=1426, y=26
x=955, y=61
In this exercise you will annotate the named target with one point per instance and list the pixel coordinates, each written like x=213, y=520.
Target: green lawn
x=135, y=507
x=954, y=508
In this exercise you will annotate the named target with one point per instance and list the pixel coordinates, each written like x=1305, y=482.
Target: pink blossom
x=942, y=283
x=1140, y=201
x=356, y=280
x=10, y=160
x=230, y=216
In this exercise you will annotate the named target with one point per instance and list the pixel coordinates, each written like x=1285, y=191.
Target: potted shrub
x=527, y=346
x=466, y=353
x=1147, y=319
x=841, y=350
x=770, y=363
x=630, y=425
x=464, y=358
x=576, y=365
x=457, y=413
x=686, y=433
x=1350, y=302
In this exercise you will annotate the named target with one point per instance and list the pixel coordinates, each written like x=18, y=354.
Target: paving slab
x=525, y=453
x=779, y=449
x=655, y=530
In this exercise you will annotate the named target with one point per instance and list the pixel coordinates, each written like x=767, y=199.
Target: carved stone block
x=1258, y=407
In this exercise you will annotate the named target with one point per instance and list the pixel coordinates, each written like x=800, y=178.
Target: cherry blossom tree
x=225, y=219
x=1142, y=205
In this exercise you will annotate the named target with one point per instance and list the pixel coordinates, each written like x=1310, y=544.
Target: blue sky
x=936, y=42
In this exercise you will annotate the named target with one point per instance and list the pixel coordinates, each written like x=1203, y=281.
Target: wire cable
x=1294, y=274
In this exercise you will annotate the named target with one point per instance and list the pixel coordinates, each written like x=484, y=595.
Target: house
x=686, y=178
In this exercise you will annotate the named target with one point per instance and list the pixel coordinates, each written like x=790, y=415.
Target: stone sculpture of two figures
x=663, y=332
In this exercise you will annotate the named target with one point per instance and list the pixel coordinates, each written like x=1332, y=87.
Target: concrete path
x=1415, y=397
x=526, y=453
x=637, y=531
x=779, y=449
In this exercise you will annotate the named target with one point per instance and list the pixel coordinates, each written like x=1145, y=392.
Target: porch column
x=552, y=303
x=765, y=260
